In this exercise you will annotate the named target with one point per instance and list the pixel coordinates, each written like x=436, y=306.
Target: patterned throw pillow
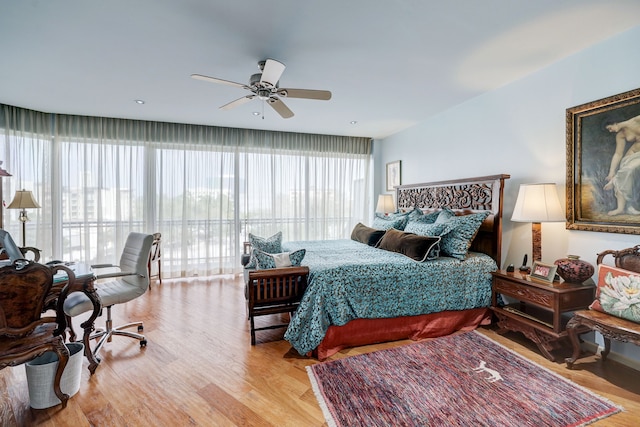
x=618, y=293
x=398, y=223
x=270, y=245
x=457, y=242
x=445, y=215
x=415, y=214
x=426, y=229
x=284, y=259
x=391, y=215
x=426, y=218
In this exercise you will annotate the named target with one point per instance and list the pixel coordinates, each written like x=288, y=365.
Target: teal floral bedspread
x=350, y=280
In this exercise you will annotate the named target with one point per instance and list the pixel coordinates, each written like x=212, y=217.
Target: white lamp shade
x=538, y=203
x=23, y=200
x=385, y=204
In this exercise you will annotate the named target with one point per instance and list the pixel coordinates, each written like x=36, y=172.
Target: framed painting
x=603, y=165
x=393, y=175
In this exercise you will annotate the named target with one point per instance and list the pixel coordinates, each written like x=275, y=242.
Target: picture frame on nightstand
x=544, y=272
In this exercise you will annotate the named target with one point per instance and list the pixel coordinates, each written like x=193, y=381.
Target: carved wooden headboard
x=463, y=196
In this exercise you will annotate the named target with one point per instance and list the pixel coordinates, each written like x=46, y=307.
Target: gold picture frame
x=603, y=165
x=544, y=272
x=393, y=175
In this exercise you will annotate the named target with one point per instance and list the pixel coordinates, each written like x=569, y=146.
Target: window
x=203, y=188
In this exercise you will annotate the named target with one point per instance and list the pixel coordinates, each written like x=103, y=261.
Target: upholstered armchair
x=610, y=326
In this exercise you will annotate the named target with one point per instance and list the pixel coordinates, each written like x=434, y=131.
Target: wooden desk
x=84, y=279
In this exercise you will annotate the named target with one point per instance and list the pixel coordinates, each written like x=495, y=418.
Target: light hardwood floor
x=199, y=369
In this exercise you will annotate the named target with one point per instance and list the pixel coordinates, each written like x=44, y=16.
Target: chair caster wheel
x=143, y=343
x=140, y=328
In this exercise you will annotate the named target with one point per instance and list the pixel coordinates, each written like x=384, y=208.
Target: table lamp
x=537, y=203
x=23, y=200
x=385, y=204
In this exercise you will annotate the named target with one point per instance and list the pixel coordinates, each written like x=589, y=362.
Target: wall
x=519, y=129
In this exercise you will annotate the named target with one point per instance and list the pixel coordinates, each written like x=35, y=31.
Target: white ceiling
x=389, y=63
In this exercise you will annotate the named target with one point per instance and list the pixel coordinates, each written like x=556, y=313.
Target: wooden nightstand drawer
x=523, y=292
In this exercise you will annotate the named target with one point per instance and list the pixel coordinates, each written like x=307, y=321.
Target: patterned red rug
x=458, y=380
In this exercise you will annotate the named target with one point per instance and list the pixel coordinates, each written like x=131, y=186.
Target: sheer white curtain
x=26, y=152
x=204, y=188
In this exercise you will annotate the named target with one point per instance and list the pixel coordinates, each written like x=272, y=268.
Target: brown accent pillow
x=363, y=234
x=419, y=248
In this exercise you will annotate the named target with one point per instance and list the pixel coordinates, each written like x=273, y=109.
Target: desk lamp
x=537, y=203
x=23, y=200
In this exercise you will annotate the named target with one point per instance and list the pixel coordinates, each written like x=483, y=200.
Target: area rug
x=459, y=380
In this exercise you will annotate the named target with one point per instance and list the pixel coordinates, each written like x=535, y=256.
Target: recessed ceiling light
x=139, y=101
x=256, y=113
x=353, y=122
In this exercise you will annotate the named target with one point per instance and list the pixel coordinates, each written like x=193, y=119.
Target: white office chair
x=129, y=283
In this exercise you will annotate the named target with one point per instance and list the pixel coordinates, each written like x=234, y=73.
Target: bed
x=358, y=294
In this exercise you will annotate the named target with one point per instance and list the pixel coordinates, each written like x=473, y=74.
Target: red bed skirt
x=370, y=331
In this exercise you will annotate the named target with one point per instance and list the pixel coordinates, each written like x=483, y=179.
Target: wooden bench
x=611, y=327
x=275, y=290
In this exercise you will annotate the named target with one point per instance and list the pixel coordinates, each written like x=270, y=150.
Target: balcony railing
x=211, y=246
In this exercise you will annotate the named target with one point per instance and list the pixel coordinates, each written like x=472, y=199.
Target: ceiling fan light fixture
x=264, y=94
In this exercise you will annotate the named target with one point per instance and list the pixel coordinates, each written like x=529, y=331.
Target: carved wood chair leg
x=72, y=333
x=607, y=349
x=575, y=344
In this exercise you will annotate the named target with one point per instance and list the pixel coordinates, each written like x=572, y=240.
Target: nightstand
x=542, y=310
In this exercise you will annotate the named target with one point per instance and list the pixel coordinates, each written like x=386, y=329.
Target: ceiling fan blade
x=323, y=95
x=237, y=102
x=215, y=80
x=280, y=107
x=272, y=71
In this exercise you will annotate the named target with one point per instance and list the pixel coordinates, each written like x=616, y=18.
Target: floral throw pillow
x=270, y=245
x=618, y=293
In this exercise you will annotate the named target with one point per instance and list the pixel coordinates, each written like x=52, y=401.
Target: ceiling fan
x=264, y=86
